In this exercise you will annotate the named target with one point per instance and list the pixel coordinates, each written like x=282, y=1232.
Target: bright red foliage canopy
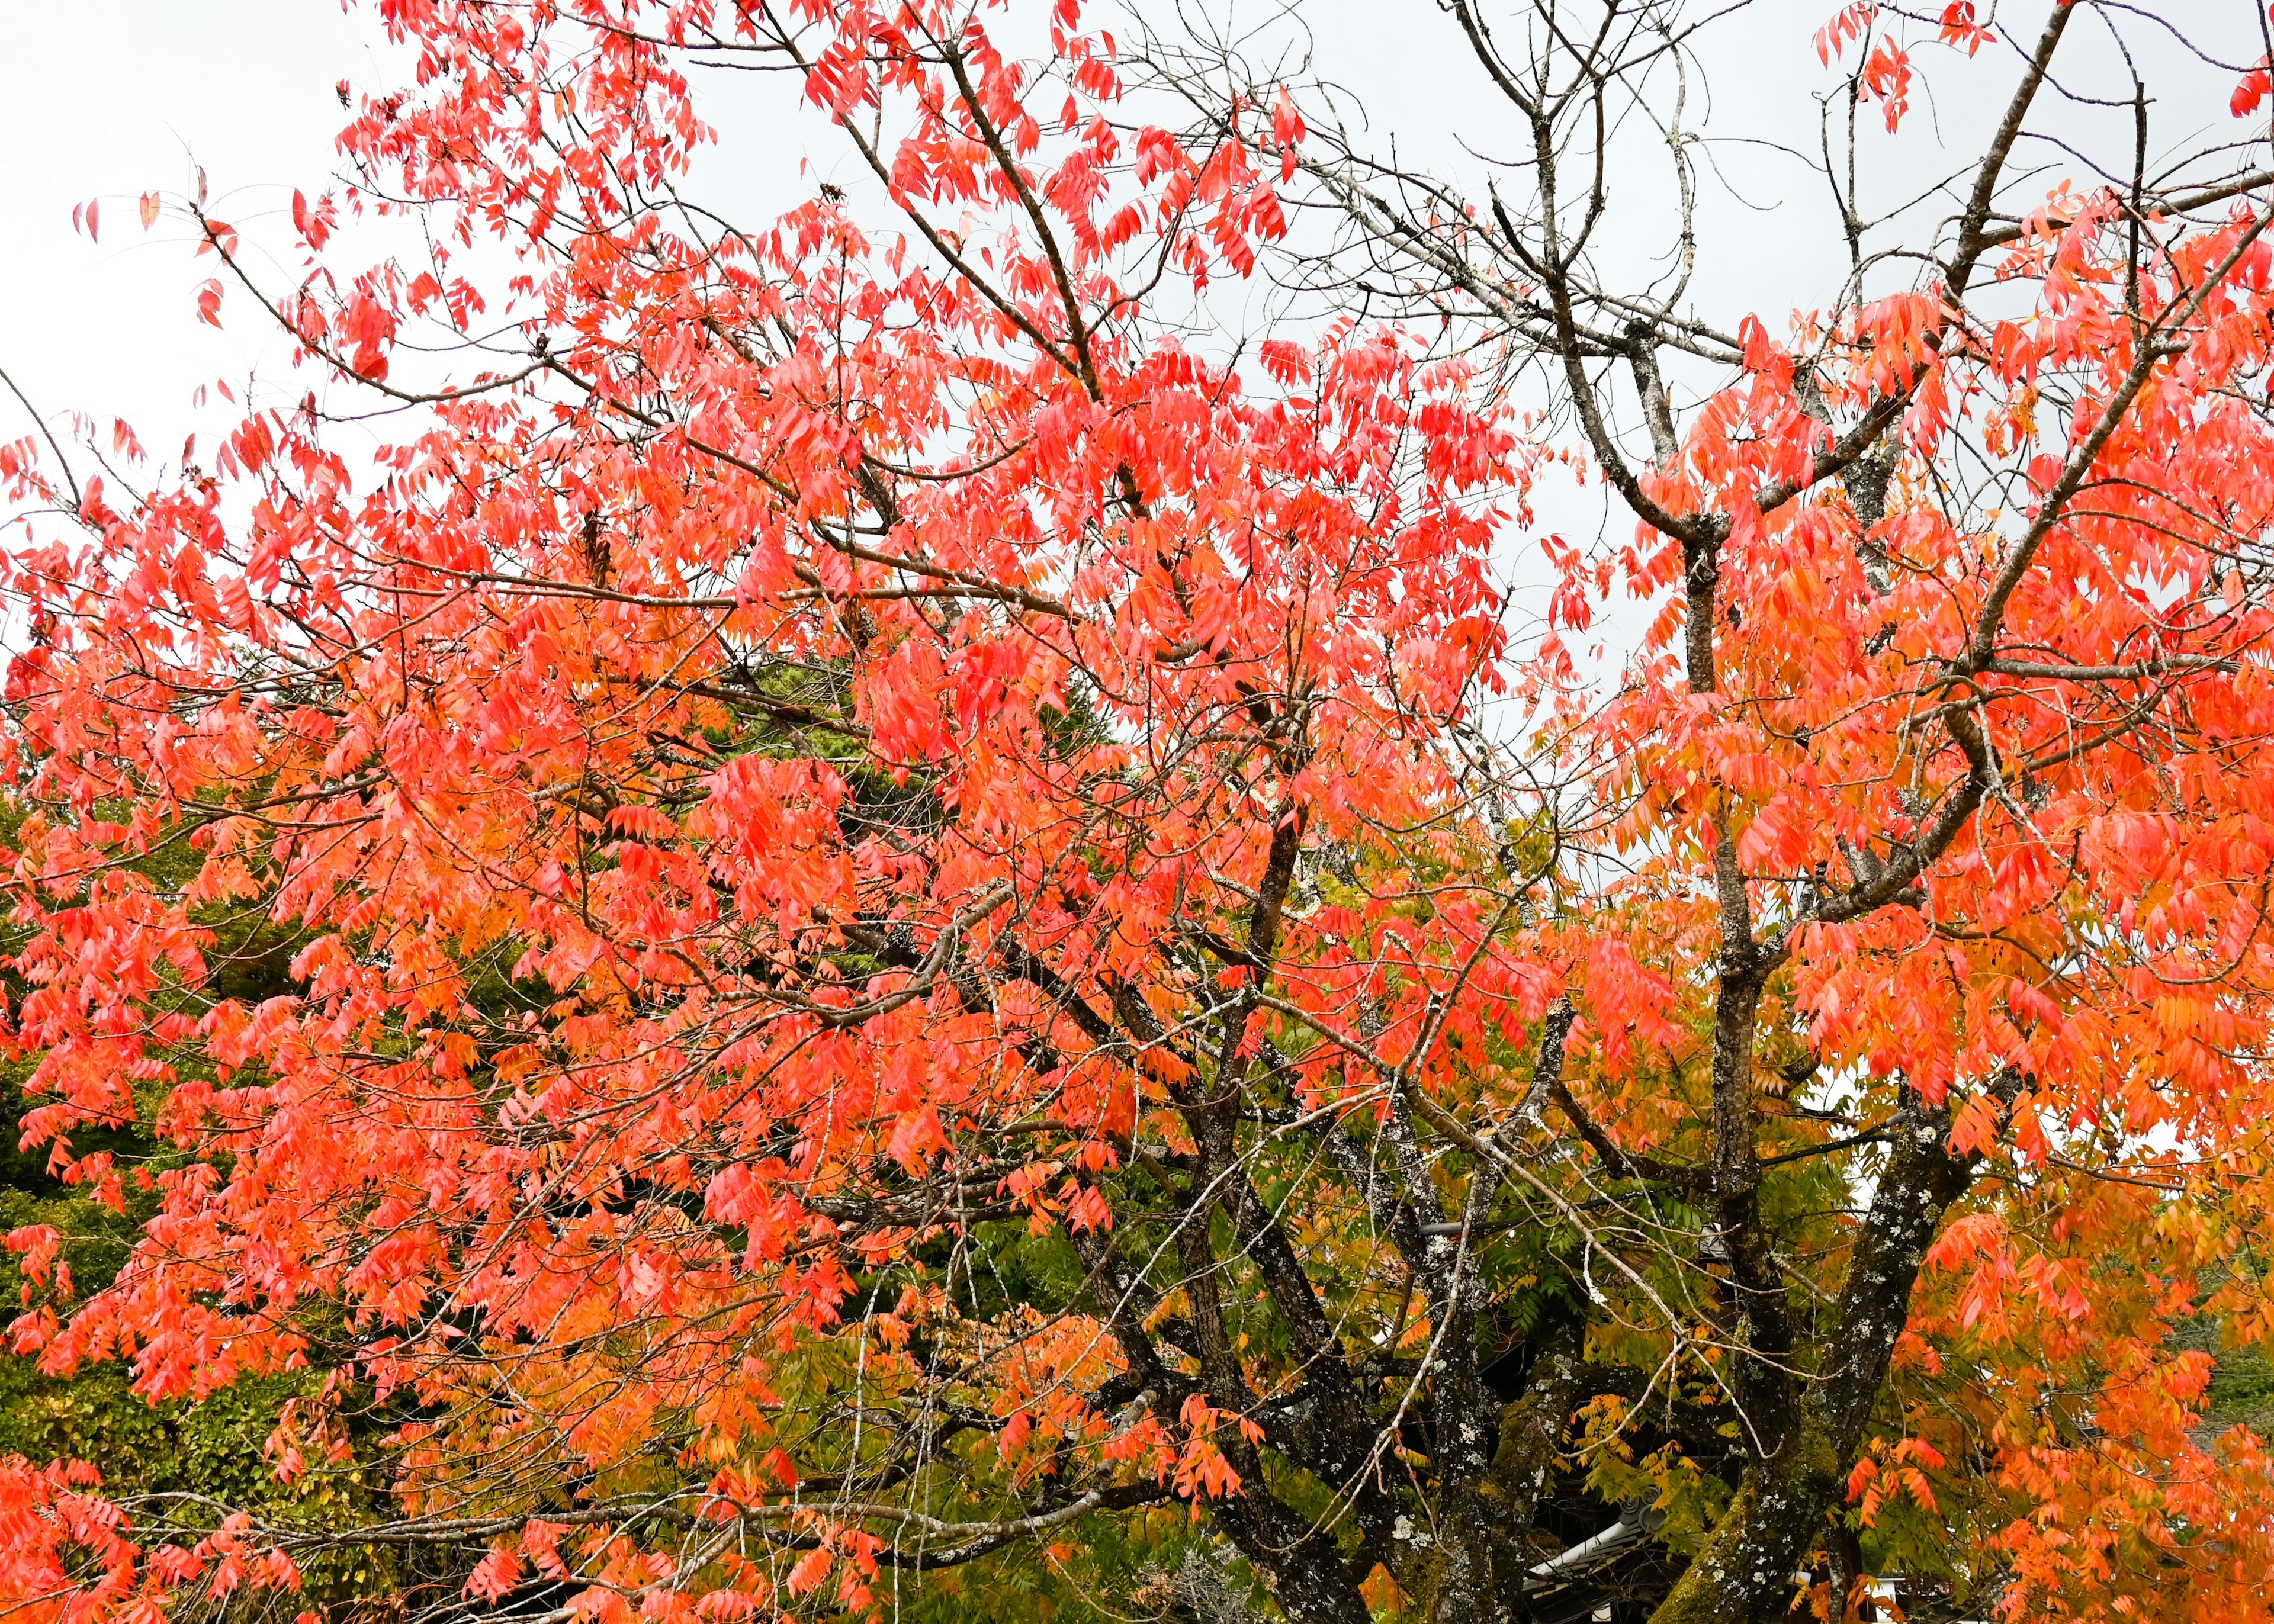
x=834, y=761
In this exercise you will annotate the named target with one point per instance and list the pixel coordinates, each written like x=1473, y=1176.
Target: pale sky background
x=110, y=99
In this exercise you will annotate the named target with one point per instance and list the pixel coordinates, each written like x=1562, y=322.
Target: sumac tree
x=928, y=922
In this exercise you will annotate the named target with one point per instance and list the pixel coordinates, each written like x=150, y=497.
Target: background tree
x=916, y=964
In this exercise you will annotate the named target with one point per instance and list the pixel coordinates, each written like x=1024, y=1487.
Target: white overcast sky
x=107, y=99
x=112, y=99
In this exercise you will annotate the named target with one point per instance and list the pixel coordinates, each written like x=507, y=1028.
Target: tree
x=917, y=959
